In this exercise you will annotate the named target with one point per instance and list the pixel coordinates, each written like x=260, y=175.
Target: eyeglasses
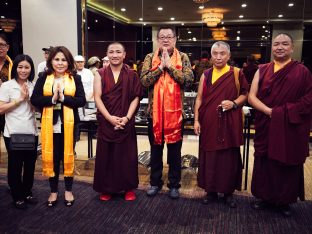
x=2, y=46
x=162, y=38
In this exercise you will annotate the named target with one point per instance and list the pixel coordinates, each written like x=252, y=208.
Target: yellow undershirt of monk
x=217, y=73
x=278, y=66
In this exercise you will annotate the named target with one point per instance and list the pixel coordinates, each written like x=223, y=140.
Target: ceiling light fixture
x=123, y=9
x=200, y=1
x=160, y=8
x=219, y=34
x=8, y=25
x=141, y=19
x=241, y=16
x=244, y=5
x=201, y=7
x=291, y=4
x=189, y=32
x=212, y=16
x=172, y=18
x=280, y=16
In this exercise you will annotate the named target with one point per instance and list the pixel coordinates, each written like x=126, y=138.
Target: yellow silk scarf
x=10, y=66
x=167, y=106
x=47, y=129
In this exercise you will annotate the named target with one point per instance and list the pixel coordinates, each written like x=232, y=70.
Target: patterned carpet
x=145, y=215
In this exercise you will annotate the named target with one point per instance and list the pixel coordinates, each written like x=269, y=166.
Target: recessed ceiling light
x=222, y=22
x=262, y=36
x=0, y=29
x=144, y=24
x=280, y=16
x=190, y=39
x=267, y=21
x=96, y=21
x=223, y=28
x=291, y=4
x=194, y=39
x=6, y=3
x=189, y=32
x=88, y=27
x=160, y=8
x=237, y=38
x=238, y=32
x=266, y=31
x=2, y=16
x=263, y=26
x=241, y=16
x=182, y=23
x=201, y=7
x=172, y=18
x=244, y=5
x=123, y=9
x=141, y=19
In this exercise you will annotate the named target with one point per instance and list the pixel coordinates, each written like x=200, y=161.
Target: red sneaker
x=130, y=196
x=105, y=197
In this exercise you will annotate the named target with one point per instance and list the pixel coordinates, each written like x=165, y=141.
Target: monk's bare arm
x=198, y=102
x=97, y=90
x=132, y=108
x=253, y=99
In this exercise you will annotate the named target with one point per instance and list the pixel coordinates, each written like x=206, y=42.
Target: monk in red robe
x=281, y=92
x=218, y=121
x=117, y=91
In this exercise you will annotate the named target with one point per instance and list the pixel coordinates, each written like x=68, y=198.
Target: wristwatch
x=234, y=105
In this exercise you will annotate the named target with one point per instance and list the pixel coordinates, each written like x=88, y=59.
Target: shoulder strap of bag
x=236, y=77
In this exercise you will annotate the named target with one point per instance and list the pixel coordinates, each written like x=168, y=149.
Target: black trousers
x=58, y=157
x=21, y=168
x=173, y=159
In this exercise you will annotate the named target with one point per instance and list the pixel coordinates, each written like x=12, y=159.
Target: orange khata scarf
x=167, y=106
x=10, y=66
x=47, y=129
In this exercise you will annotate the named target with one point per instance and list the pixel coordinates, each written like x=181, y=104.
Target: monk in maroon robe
x=117, y=91
x=281, y=93
x=218, y=121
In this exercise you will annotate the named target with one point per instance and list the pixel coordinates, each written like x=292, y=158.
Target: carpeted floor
x=145, y=215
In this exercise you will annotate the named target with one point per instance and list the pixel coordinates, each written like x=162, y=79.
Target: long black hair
x=20, y=58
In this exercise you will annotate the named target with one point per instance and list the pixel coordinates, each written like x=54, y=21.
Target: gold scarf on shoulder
x=10, y=66
x=47, y=129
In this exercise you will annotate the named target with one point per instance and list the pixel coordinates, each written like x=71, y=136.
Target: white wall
x=48, y=23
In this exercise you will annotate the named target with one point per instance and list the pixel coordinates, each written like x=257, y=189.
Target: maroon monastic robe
x=281, y=142
x=220, y=166
x=116, y=165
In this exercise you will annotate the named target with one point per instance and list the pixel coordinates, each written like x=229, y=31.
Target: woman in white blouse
x=20, y=118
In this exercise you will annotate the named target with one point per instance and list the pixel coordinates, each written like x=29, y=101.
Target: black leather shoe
x=69, y=203
x=20, y=205
x=152, y=191
x=51, y=203
x=230, y=201
x=285, y=210
x=31, y=200
x=259, y=205
x=174, y=193
x=210, y=197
